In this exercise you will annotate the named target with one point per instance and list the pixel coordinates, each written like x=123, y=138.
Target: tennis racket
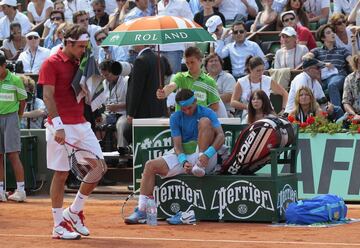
x=84, y=164
x=127, y=210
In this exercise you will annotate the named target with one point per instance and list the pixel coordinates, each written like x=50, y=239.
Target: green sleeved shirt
x=205, y=88
x=12, y=91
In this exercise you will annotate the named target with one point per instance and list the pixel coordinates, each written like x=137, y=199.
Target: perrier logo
x=286, y=196
x=241, y=199
x=175, y=195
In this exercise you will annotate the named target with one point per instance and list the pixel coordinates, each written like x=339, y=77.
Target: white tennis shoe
x=76, y=221
x=3, y=197
x=64, y=231
x=18, y=196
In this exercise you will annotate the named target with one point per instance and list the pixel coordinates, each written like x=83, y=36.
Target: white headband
x=83, y=37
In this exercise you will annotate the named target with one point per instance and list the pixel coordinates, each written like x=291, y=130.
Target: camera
x=15, y=66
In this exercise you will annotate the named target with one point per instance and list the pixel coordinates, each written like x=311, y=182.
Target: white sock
x=57, y=216
x=78, y=203
x=20, y=186
x=142, y=202
x=1, y=186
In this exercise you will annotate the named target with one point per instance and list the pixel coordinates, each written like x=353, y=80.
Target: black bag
x=252, y=148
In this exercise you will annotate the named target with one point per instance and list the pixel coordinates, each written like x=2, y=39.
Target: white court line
x=192, y=240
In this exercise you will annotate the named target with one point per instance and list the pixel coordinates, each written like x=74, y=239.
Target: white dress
x=41, y=17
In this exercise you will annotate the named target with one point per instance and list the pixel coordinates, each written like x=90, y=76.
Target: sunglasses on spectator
x=100, y=39
x=57, y=18
x=32, y=37
x=340, y=23
x=238, y=31
x=289, y=19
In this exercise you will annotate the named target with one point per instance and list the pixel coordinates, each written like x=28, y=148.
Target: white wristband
x=57, y=123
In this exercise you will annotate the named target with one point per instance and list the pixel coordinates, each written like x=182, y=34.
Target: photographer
x=115, y=88
x=35, y=109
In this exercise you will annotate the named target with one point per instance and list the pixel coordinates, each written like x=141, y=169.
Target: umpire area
x=30, y=224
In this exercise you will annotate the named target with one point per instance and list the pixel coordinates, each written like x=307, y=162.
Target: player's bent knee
x=204, y=122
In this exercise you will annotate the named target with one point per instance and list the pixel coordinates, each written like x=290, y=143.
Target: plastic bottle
x=151, y=212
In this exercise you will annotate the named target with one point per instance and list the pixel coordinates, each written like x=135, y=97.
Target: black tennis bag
x=252, y=148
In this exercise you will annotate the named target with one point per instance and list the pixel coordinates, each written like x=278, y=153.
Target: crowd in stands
x=314, y=68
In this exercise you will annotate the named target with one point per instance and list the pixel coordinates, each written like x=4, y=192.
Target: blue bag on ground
x=323, y=208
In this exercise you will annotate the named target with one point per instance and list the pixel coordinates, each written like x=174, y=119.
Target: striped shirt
x=336, y=56
x=12, y=91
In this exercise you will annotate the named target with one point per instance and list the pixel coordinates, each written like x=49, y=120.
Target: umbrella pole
x=161, y=83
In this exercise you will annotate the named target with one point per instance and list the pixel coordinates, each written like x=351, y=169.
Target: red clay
x=29, y=225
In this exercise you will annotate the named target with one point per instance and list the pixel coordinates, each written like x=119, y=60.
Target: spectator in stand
x=297, y=7
x=101, y=18
x=335, y=59
x=344, y=6
x=12, y=103
x=12, y=15
x=118, y=16
x=49, y=24
x=116, y=53
x=259, y=106
x=15, y=43
x=343, y=34
x=317, y=10
x=174, y=52
x=279, y=5
x=1, y=12
x=59, y=37
x=71, y=7
x=35, y=110
x=56, y=19
x=264, y=17
x=239, y=50
x=140, y=10
x=351, y=94
x=354, y=16
x=45, y=7
x=305, y=105
x=290, y=55
x=208, y=11
x=34, y=55
x=219, y=32
x=110, y=6
x=82, y=18
x=224, y=80
x=311, y=77
x=241, y=10
x=305, y=37
x=255, y=80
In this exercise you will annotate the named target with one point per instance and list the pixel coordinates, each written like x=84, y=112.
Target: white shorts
x=175, y=168
x=80, y=135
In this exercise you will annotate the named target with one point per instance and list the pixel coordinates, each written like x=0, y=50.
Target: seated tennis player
x=197, y=135
x=68, y=126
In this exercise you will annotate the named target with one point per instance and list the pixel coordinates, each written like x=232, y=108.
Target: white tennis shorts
x=175, y=168
x=80, y=135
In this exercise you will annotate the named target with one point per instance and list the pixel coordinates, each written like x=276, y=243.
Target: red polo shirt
x=304, y=34
x=59, y=70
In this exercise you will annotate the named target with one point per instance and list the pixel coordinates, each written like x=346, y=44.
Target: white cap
x=32, y=33
x=289, y=31
x=212, y=23
x=9, y=2
x=290, y=12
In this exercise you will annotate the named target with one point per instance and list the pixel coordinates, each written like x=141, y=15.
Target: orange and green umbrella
x=154, y=30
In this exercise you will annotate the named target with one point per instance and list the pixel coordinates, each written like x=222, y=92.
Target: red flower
x=310, y=120
x=324, y=114
x=291, y=118
x=354, y=122
x=303, y=124
x=358, y=130
x=350, y=117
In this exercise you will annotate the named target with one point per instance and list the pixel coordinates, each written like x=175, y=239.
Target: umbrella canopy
x=154, y=30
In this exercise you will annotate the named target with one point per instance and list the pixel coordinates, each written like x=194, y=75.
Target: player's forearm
x=219, y=139
x=48, y=96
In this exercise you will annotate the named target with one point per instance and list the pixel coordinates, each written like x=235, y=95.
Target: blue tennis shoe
x=138, y=217
x=180, y=218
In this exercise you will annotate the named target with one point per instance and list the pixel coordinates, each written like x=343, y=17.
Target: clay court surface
x=29, y=225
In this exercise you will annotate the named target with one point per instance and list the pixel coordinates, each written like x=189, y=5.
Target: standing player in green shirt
x=12, y=104
x=195, y=79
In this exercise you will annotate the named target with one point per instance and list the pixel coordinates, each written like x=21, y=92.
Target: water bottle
x=151, y=212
